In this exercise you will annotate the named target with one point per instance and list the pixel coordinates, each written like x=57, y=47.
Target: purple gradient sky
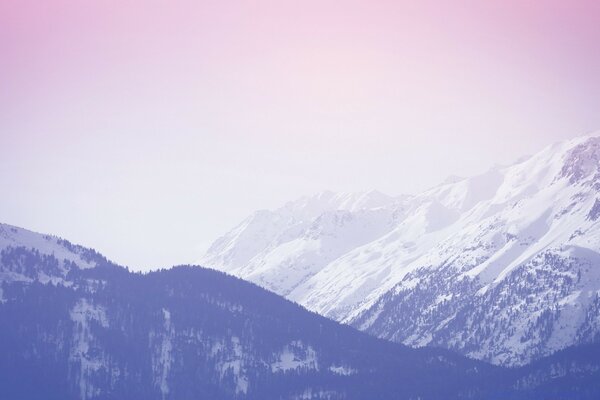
x=145, y=129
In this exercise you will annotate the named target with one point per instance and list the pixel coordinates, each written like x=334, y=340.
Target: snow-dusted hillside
x=186, y=332
x=66, y=256
x=61, y=249
x=504, y=266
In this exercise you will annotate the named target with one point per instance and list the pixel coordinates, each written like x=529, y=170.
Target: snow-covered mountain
x=61, y=249
x=281, y=249
x=76, y=326
x=504, y=266
x=66, y=257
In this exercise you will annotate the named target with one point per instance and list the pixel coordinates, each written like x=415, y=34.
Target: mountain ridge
x=102, y=332
x=341, y=262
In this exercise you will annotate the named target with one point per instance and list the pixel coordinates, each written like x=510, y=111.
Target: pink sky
x=147, y=128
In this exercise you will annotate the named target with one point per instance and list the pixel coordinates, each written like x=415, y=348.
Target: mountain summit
x=503, y=266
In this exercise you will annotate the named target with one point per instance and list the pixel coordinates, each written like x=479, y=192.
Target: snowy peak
x=463, y=193
x=363, y=201
x=310, y=207
x=27, y=256
x=305, y=217
x=357, y=257
x=246, y=240
x=14, y=237
x=582, y=162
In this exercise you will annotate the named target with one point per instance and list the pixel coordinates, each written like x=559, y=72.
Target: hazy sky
x=146, y=129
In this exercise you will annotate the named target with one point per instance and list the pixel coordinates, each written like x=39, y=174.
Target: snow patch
x=233, y=362
x=84, y=361
x=295, y=356
x=343, y=370
x=163, y=358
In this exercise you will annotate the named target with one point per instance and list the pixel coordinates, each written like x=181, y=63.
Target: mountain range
x=77, y=326
x=503, y=267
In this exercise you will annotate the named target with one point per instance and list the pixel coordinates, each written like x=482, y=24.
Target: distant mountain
x=503, y=267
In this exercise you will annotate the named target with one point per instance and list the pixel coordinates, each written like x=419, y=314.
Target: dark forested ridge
x=102, y=332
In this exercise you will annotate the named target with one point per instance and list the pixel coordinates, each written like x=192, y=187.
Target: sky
x=146, y=129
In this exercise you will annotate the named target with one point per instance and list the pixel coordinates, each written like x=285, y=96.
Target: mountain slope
x=102, y=332
x=516, y=248
x=279, y=249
